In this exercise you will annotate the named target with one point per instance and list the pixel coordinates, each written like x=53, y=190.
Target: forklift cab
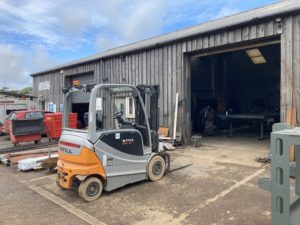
x=101, y=118
x=114, y=149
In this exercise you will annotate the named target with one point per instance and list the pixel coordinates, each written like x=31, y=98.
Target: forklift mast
x=150, y=96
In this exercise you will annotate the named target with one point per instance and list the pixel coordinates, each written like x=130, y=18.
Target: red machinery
x=22, y=128
x=27, y=130
x=22, y=115
x=53, y=124
x=1, y=129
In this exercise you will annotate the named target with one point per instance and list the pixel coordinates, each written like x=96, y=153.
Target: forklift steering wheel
x=118, y=115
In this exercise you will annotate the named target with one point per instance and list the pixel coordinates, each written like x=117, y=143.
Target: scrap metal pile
x=27, y=156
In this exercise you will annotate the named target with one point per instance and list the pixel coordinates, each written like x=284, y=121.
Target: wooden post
x=175, y=117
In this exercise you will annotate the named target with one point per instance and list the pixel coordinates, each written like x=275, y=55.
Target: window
x=34, y=115
x=122, y=107
x=12, y=116
x=130, y=109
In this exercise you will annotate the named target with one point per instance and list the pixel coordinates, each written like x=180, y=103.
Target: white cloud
x=70, y=25
x=34, y=34
x=30, y=18
x=39, y=58
x=128, y=21
x=141, y=19
x=225, y=11
x=11, y=74
x=16, y=65
x=229, y=8
x=103, y=43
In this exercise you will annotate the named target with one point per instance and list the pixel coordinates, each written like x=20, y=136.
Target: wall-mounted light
x=61, y=72
x=256, y=56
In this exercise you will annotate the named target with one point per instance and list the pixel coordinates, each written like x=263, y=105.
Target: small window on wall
x=122, y=107
x=130, y=108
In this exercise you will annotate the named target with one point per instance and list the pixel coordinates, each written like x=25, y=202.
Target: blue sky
x=35, y=34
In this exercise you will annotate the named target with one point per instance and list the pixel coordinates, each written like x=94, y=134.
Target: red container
x=53, y=124
x=16, y=139
x=25, y=138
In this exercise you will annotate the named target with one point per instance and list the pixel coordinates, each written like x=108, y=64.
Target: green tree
x=26, y=90
x=4, y=89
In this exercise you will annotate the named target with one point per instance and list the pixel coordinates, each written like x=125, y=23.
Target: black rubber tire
x=58, y=184
x=91, y=184
x=156, y=168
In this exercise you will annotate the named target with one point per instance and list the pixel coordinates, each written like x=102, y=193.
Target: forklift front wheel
x=156, y=168
x=90, y=189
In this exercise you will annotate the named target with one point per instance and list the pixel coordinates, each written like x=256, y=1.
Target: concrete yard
x=218, y=189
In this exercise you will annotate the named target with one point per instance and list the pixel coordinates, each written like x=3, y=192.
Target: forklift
x=113, y=151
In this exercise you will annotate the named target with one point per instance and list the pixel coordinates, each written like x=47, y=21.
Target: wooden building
x=248, y=62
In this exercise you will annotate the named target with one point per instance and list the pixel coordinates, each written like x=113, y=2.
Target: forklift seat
x=154, y=136
x=126, y=127
x=144, y=133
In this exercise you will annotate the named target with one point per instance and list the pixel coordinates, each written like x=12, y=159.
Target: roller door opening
x=236, y=93
x=80, y=100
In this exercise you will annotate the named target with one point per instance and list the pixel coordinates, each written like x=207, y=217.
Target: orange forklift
x=113, y=151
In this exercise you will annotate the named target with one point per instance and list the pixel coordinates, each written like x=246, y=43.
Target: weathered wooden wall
x=290, y=65
x=57, y=80
x=164, y=65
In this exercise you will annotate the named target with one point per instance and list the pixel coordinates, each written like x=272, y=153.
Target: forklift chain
x=26, y=147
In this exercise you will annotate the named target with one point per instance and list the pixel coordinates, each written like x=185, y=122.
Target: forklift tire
x=90, y=189
x=156, y=168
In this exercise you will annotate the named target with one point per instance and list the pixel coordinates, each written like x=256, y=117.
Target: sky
x=36, y=35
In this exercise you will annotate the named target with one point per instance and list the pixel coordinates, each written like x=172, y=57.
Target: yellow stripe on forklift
x=67, y=206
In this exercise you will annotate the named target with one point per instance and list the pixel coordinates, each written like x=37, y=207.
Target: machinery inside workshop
x=236, y=92
x=80, y=109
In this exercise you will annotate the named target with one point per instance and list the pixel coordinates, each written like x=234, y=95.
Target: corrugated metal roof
x=272, y=10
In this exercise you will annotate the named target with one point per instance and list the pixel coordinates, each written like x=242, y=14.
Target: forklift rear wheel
x=156, y=168
x=90, y=189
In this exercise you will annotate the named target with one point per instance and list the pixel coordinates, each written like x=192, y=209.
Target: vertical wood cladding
x=290, y=65
x=166, y=65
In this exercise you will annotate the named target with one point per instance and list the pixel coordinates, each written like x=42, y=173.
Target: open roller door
x=80, y=100
x=236, y=93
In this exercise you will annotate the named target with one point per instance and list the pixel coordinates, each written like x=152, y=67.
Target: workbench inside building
x=264, y=120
